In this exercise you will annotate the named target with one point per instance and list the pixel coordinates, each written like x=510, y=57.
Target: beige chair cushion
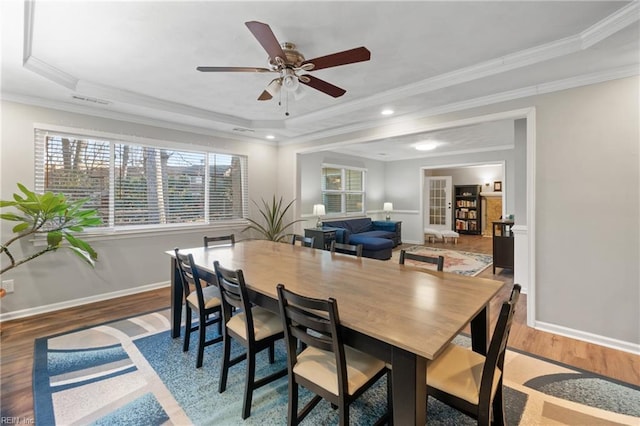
x=458, y=371
x=265, y=323
x=319, y=367
x=211, y=297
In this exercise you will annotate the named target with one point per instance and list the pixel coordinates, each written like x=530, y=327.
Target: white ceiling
x=139, y=58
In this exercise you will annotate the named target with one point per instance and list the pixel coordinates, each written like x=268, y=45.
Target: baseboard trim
x=83, y=301
x=589, y=337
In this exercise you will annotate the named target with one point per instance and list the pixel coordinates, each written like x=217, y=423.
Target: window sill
x=106, y=234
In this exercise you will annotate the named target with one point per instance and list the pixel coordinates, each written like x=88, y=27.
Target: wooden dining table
x=399, y=313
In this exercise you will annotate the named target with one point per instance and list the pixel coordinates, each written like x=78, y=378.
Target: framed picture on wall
x=497, y=186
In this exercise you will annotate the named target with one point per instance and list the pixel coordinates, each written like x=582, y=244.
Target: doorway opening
x=440, y=211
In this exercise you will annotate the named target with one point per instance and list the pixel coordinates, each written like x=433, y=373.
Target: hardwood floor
x=17, y=337
x=619, y=365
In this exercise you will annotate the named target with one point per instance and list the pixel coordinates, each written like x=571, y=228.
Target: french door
x=437, y=196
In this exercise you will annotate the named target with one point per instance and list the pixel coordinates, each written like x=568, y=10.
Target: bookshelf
x=467, y=213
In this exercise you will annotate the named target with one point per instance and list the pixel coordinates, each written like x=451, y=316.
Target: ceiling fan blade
x=264, y=96
x=359, y=54
x=232, y=69
x=265, y=37
x=322, y=86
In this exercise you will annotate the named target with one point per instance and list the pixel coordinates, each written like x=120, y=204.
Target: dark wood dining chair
x=204, y=300
x=304, y=241
x=221, y=240
x=326, y=366
x=354, y=249
x=439, y=260
x=253, y=327
x=471, y=382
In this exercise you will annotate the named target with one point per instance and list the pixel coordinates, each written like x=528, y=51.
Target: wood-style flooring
x=17, y=337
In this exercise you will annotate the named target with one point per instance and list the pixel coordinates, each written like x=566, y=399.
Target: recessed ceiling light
x=387, y=112
x=426, y=146
x=270, y=137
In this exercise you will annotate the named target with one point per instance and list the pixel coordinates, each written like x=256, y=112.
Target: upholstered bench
x=453, y=235
x=435, y=234
x=431, y=234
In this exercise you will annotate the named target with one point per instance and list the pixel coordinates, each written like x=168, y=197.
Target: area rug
x=458, y=262
x=131, y=372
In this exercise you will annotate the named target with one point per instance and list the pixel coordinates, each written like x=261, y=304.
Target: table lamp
x=387, y=207
x=318, y=210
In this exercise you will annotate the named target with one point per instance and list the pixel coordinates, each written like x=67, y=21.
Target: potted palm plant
x=51, y=215
x=273, y=227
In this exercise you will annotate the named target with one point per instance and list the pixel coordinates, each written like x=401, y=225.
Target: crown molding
x=610, y=25
x=587, y=38
x=50, y=72
x=126, y=96
x=539, y=89
x=416, y=154
x=537, y=54
x=463, y=75
x=402, y=129
x=583, y=40
x=127, y=117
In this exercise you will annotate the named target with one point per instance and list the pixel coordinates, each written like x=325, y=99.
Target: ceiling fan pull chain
x=286, y=101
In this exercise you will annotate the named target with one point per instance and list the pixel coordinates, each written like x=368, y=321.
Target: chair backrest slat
x=439, y=260
x=355, y=249
x=229, y=239
x=316, y=323
x=189, y=275
x=498, y=344
x=233, y=293
x=304, y=241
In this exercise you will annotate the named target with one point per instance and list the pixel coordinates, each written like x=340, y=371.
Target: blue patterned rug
x=131, y=372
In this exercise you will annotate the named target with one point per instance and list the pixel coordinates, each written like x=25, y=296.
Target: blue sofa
x=377, y=237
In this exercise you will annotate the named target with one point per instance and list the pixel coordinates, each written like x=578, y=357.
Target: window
x=342, y=190
x=142, y=185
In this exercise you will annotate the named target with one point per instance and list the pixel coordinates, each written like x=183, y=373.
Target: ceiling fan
x=286, y=61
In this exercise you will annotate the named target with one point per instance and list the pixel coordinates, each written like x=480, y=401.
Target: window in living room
x=343, y=189
x=134, y=185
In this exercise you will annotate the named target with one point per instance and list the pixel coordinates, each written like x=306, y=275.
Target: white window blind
x=142, y=185
x=343, y=190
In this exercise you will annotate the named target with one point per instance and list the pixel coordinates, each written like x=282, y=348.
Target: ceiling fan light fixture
x=274, y=87
x=299, y=93
x=290, y=80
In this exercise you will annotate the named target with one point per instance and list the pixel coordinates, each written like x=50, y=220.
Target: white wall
x=587, y=205
x=126, y=263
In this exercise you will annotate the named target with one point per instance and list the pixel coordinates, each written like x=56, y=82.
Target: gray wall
x=125, y=262
x=587, y=209
x=520, y=166
x=403, y=180
x=587, y=203
x=310, y=166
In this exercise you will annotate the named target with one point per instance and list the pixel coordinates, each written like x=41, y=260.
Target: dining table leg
x=480, y=331
x=409, y=388
x=176, y=299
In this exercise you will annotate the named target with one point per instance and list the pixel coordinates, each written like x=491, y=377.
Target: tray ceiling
x=137, y=59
